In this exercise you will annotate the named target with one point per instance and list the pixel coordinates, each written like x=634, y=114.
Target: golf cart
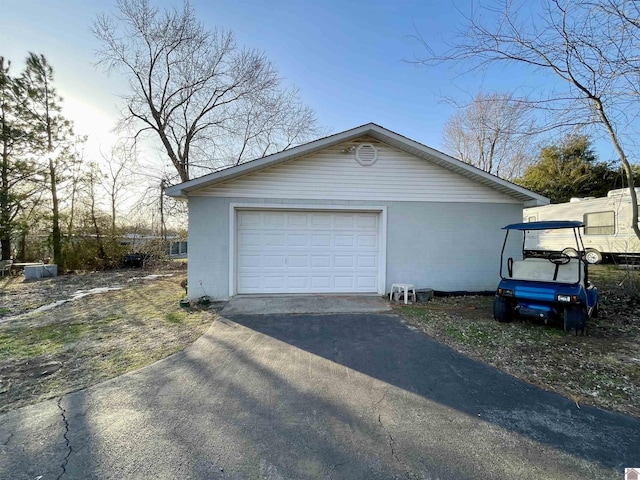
x=553, y=287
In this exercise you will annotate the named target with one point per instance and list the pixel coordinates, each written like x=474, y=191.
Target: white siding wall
x=334, y=175
x=441, y=245
x=447, y=246
x=208, y=266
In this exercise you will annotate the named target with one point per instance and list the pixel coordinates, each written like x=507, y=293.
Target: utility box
x=40, y=271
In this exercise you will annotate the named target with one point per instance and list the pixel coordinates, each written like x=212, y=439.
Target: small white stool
x=405, y=288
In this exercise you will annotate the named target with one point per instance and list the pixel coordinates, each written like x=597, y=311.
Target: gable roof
x=379, y=133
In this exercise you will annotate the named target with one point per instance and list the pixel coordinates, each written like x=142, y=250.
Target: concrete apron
x=305, y=304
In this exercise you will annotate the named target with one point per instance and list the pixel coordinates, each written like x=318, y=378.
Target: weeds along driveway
x=313, y=396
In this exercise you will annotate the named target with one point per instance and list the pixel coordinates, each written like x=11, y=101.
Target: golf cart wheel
x=593, y=256
x=570, y=252
x=501, y=310
x=595, y=311
x=575, y=317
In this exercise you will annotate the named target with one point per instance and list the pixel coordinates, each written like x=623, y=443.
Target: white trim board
x=382, y=233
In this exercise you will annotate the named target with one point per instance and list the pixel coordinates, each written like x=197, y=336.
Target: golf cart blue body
x=551, y=288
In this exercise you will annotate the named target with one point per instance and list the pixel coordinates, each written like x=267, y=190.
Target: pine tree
x=17, y=169
x=52, y=136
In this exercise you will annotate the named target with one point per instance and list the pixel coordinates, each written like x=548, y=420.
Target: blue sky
x=346, y=57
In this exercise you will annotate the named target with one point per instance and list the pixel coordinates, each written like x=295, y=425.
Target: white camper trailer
x=607, y=233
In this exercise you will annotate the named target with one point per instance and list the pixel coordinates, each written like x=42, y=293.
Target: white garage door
x=307, y=252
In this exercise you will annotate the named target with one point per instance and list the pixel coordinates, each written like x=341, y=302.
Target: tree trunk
x=163, y=230
x=5, y=230
x=5, y=213
x=625, y=165
x=56, y=236
x=5, y=246
x=101, y=253
x=113, y=213
x=22, y=255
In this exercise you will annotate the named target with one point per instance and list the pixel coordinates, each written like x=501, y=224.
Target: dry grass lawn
x=77, y=344
x=46, y=354
x=601, y=368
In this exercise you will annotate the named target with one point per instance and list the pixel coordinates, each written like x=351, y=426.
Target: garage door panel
x=274, y=282
x=321, y=261
x=250, y=239
x=321, y=283
x=274, y=239
x=295, y=220
x=366, y=282
x=307, y=252
x=367, y=261
x=344, y=241
x=297, y=282
x=321, y=220
x=250, y=219
x=273, y=261
x=368, y=241
x=367, y=221
x=320, y=240
x=343, y=261
x=297, y=240
x=345, y=220
x=297, y=261
x=344, y=282
x=249, y=261
x=276, y=219
x=250, y=282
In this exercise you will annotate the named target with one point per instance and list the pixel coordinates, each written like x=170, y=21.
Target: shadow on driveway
x=382, y=347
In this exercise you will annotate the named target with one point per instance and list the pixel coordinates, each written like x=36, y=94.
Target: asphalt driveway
x=316, y=396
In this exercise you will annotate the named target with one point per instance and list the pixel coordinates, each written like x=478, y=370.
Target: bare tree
x=197, y=90
x=116, y=176
x=592, y=47
x=277, y=123
x=75, y=171
x=494, y=133
x=90, y=186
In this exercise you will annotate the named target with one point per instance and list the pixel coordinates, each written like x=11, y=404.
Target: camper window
x=600, y=223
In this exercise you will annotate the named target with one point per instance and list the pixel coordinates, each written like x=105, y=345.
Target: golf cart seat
x=542, y=270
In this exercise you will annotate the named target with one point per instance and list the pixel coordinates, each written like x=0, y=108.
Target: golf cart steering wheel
x=559, y=258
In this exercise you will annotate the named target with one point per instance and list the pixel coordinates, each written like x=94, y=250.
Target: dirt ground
x=601, y=368
x=46, y=352
x=18, y=296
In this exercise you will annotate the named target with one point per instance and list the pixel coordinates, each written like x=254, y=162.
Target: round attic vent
x=366, y=154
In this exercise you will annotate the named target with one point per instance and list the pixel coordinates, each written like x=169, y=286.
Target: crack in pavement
x=390, y=440
x=333, y=467
x=384, y=395
x=391, y=443
x=65, y=422
x=6, y=442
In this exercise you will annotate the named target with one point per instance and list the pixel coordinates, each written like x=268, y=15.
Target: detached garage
x=350, y=213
